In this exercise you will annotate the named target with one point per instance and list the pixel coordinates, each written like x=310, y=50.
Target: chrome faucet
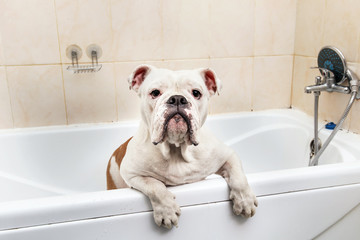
x=326, y=83
x=334, y=72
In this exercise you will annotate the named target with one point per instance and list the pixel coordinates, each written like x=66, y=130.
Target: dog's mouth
x=177, y=125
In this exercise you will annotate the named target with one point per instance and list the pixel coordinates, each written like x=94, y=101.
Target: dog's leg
x=166, y=210
x=244, y=201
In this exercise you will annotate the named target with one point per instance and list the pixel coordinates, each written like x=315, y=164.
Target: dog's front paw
x=244, y=203
x=166, y=212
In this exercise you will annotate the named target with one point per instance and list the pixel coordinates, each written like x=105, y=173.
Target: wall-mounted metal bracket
x=74, y=53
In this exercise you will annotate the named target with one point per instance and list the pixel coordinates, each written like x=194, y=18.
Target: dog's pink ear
x=212, y=82
x=138, y=77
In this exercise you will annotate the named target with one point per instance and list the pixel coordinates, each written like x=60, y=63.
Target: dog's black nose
x=177, y=100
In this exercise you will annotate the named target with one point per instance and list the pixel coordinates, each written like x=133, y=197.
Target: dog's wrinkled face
x=174, y=103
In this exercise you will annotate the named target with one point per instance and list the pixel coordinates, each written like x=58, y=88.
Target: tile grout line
x=155, y=60
x=61, y=65
x=350, y=116
x=253, y=61
x=294, y=54
x=113, y=65
x=7, y=84
x=292, y=82
x=162, y=30
x=10, y=99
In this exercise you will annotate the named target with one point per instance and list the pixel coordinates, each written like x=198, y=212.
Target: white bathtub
x=52, y=183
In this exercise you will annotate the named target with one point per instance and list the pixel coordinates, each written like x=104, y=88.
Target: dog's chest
x=178, y=170
x=180, y=173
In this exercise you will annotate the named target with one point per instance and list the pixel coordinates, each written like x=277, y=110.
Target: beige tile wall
x=84, y=22
x=90, y=97
x=320, y=23
x=275, y=27
x=232, y=29
x=271, y=82
x=137, y=28
x=250, y=44
x=28, y=31
x=1, y=52
x=36, y=95
x=236, y=92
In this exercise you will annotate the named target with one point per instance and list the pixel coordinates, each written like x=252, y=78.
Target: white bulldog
x=170, y=147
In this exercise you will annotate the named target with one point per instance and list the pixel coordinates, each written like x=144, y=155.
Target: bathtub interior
x=47, y=162
x=277, y=142
x=63, y=160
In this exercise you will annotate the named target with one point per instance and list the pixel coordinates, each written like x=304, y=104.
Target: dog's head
x=174, y=104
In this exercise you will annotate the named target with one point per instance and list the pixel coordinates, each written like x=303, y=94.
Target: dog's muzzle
x=177, y=107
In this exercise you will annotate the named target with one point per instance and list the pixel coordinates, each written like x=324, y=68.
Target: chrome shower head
x=332, y=59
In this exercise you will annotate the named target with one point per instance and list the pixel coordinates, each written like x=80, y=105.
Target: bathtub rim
x=90, y=205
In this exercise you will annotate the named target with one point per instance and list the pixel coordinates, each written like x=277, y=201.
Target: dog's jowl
x=171, y=147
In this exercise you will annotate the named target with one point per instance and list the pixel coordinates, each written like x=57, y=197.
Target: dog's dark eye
x=196, y=94
x=155, y=93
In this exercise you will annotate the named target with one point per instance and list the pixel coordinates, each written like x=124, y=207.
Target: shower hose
x=315, y=160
